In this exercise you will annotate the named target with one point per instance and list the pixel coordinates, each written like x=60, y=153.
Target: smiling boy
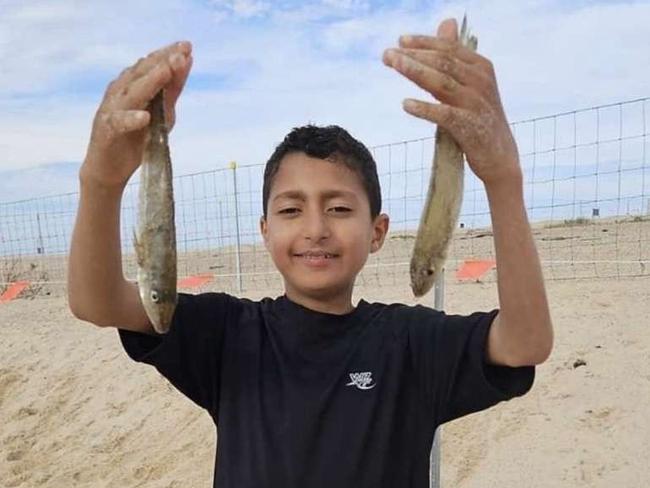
x=321, y=217
x=306, y=389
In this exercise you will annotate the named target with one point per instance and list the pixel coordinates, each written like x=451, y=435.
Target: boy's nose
x=316, y=227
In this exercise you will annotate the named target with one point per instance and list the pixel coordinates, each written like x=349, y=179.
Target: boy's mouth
x=316, y=258
x=316, y=255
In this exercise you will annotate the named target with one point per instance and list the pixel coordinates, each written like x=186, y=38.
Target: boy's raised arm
x=471, y=110
x=97, y=289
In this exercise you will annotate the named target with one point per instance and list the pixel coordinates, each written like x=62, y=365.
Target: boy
x=306, y=389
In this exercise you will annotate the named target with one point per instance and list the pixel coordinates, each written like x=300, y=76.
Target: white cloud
x=242, y=8
x=55, y=129
x=47, y=44
x=287, y=66
x=355, y=5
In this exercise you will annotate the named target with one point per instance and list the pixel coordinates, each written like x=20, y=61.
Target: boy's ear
x=379, y=231
x=264, y=230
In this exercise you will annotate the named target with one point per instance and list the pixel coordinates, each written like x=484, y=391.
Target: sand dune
x=77, y=412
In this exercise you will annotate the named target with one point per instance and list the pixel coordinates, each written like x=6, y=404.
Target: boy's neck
x=337, y=305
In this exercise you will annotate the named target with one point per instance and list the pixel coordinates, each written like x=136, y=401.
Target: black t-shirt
x=304, y=399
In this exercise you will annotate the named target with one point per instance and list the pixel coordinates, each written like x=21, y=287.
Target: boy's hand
x=118, y=136
x=471, y=109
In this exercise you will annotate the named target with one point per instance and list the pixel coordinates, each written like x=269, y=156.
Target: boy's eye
x=340, y=209
x=290, y=210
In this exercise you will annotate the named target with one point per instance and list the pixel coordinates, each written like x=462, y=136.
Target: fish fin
x=139, y=252
x=463, y=28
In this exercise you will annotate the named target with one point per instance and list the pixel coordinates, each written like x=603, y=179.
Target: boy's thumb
x=448, y=29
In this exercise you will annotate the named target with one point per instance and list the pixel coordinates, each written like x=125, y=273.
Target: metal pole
x=221, y=227
x=40, y=248
x=434, y=462
x=233, y=167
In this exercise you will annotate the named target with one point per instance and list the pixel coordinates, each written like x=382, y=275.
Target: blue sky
x=262, y=67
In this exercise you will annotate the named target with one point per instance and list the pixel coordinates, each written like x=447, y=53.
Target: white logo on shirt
x=361, y=380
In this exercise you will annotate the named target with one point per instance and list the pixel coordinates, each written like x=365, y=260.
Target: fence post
x=40, y=247
x=434, y=462
x=222, y=228
x=233, y=167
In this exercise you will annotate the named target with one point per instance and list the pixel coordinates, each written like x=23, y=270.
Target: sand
x=75, y=411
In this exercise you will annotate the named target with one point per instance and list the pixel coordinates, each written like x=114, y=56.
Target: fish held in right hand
x=155, y=242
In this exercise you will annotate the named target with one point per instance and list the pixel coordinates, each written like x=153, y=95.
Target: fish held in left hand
x=443, y=203
x=155, y=239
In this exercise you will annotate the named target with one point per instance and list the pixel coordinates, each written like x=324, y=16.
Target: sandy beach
x=77, y=412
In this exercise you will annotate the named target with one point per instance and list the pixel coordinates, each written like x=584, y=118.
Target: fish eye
x=429, y=272
x=154, y=296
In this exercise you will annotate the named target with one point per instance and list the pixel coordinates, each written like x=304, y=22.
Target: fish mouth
x=423, y=277
x=160, y=316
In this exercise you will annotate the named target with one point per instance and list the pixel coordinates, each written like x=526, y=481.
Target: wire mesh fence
x=587, y=193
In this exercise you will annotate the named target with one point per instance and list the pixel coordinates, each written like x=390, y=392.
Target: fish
x=155, y=238
x=442, y=206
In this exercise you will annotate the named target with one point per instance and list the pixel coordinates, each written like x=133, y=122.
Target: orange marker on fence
x=13, y=290
x=195, y=281
x=474, y=269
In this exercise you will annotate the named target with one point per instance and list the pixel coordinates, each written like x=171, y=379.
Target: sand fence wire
x=587, y=193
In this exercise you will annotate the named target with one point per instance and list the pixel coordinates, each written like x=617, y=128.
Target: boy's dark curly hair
x=331, y=142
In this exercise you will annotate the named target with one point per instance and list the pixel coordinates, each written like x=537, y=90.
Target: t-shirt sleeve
x=189, y=354
x=449, y=357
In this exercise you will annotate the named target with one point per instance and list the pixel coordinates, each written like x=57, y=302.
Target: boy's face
x=318, y=229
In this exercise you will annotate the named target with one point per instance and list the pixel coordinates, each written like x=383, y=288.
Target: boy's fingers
x=165, y=56
x=140, y=91
x=174, y=89
x=440, y=44
x=175, y=86
x=144, y=65
x=169, y=75
x=442, y=62
x=433, y=112
x=448, y=29
x=441, y=85
x=119, y=122
x=452, y=119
